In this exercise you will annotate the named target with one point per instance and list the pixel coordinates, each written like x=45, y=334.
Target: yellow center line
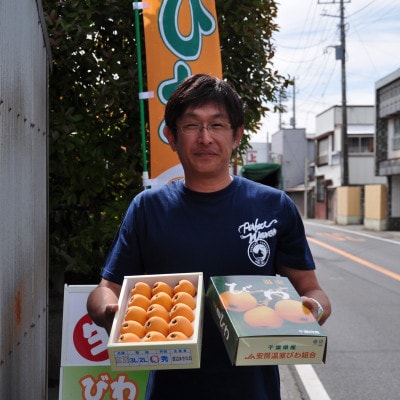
x=356, y=259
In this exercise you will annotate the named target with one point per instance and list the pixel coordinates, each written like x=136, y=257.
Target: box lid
x=264, y=305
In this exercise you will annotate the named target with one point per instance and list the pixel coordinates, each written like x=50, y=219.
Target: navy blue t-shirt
x=245, y=229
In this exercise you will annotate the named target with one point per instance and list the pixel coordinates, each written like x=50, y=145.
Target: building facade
x=328, y=161
x=289, y=148
x=387, y=136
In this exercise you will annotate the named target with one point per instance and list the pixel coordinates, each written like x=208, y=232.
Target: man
x=215, y=223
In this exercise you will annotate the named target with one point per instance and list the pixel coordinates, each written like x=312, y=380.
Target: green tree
x=95, y=155
x=94, y=145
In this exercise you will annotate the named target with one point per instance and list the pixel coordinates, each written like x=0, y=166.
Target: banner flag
x=181, y=39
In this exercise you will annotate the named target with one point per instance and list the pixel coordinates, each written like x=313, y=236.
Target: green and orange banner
x=181, y=39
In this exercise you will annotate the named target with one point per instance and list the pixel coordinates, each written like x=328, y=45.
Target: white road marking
x=311, y=382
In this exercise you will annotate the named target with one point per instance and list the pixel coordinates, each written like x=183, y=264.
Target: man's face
x=204, y=153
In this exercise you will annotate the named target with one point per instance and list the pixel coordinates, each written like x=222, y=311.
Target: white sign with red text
x=84, y=343
x=85, y=371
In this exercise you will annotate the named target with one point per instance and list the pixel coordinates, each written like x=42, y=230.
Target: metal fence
x=24, y=65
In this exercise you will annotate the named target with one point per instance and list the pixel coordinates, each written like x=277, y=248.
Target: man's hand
x=306, y=284
x=102, y=304
x=109, y=313
x=314, y=306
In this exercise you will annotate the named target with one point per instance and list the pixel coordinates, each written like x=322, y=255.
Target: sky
x=305, y=52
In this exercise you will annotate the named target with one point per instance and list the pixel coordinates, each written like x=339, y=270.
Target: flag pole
x=145, y=177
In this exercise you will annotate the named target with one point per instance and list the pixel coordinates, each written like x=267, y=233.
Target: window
x=396, y=133
x=323, y=151
x=360, y=144
x=320, y=189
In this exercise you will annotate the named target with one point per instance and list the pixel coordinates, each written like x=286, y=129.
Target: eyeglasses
x=215, y=128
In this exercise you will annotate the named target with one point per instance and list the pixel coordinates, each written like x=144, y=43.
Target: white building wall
x=330, y=172
x=325, y=121
x=362, y=171
x=289, y=148
x=360, y=121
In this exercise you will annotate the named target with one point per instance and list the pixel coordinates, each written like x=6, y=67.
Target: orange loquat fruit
x=182, y=309
x=162, y=298
x=157, y=324
x=185, y=286
x=177, y=336
x=142, y=288
x=240, y=302
x=131, y=326
x=139, y=300
x=136, y=313
x=186, y=298
x=294, y=311
x=157, y=310
x=162, y=287
x=181, y=324
x=263, y=316
x=128, y=337
x=154, y=336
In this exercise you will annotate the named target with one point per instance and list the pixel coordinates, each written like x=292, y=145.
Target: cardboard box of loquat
x=158, y=324
x=263, y=322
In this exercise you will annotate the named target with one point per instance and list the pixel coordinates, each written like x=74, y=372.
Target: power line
x=301, y=41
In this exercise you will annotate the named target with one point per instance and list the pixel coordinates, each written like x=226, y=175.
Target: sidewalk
x=359, y=228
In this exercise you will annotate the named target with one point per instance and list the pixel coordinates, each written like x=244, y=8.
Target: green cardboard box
x=262, y=321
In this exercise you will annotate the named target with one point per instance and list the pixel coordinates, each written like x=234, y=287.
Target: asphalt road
x=360, y=271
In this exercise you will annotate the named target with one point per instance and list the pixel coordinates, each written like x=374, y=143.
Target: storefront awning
x=266, y=173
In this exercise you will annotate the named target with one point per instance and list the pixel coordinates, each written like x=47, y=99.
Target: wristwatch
x=320, y=308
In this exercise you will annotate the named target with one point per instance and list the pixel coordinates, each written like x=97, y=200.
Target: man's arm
x=306, y=284
x=102, y=303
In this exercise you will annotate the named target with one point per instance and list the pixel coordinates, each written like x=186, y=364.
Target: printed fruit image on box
x=263, y=321
x=158, y=325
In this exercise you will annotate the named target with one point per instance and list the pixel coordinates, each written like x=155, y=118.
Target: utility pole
x=345, y=158
x=293, y=119
x=305, y=188
x=341, y=55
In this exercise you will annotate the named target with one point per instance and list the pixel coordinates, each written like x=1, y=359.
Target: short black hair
x=201, y=89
